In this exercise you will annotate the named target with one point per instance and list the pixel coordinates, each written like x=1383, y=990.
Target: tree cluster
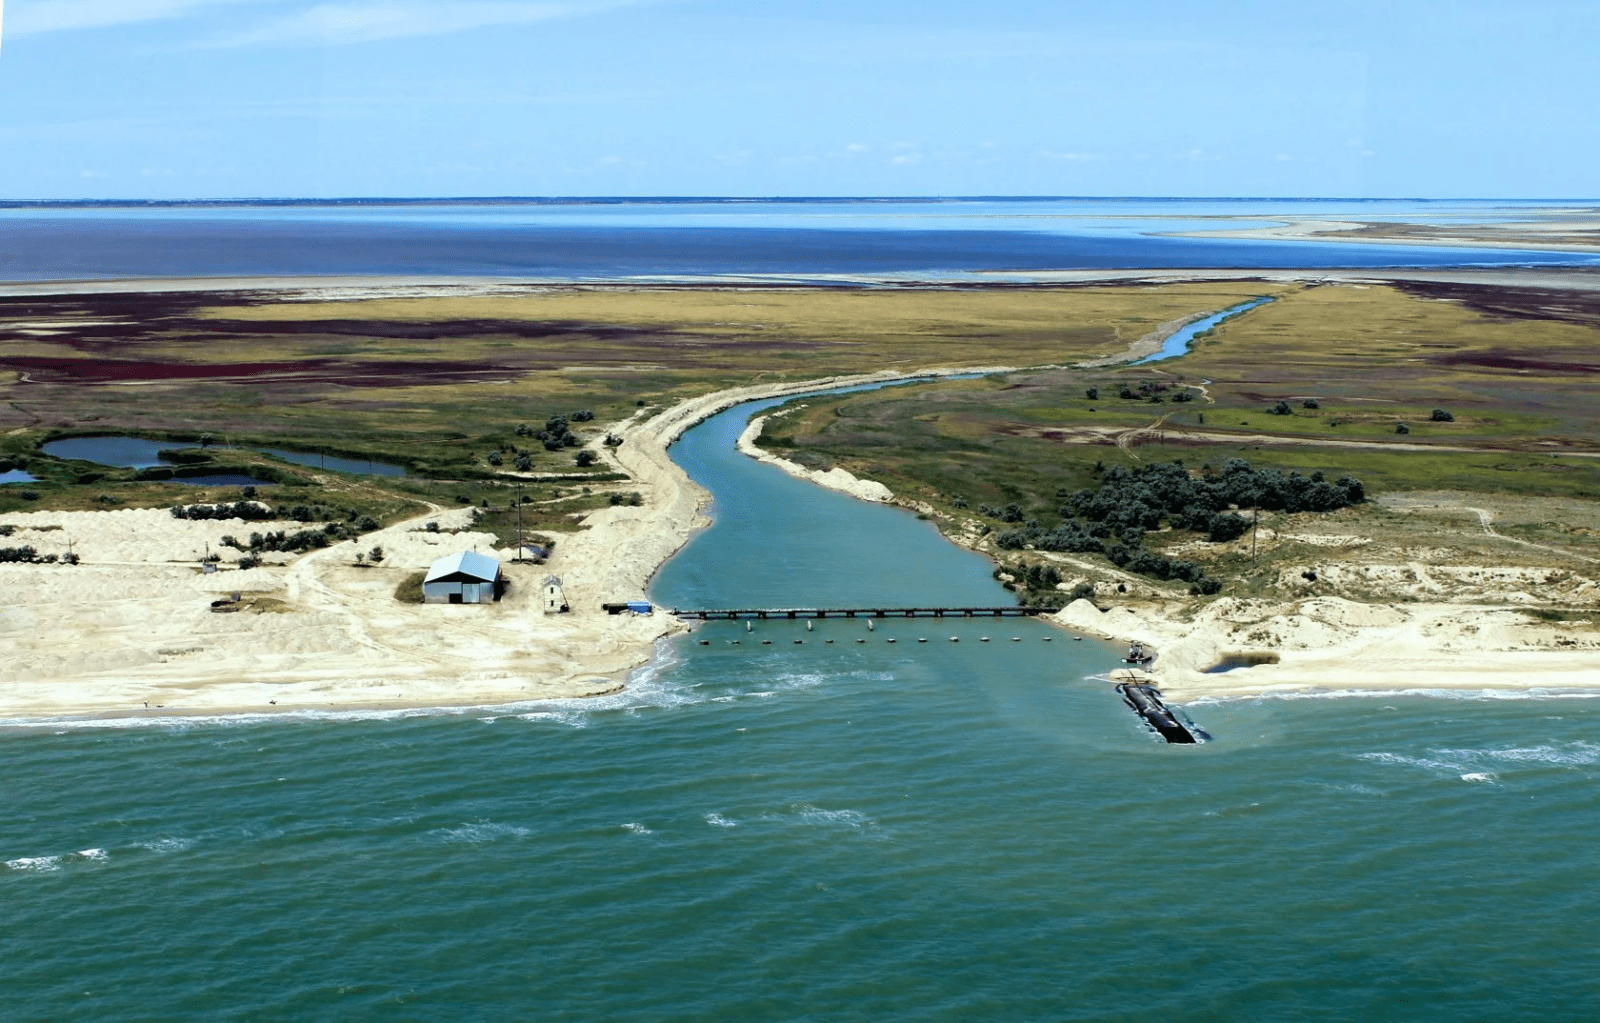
x=557, y=431
x=1148, y=390
x=27, y=555
x=249, y=511
x=1113, y=519
x=256, y=511
x=298, y=542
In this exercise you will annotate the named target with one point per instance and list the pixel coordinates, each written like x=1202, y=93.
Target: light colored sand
x=133, y=624
x=1327, y=643
x=1568, y=230
x=836, y=478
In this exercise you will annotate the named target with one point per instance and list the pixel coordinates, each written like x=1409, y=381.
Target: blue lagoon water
x=586, y=239
x=142, y=453
x=1178, y=343
x=845, y=831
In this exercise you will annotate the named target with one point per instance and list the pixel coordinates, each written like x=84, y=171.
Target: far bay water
x=601, y=239
x=846, y=831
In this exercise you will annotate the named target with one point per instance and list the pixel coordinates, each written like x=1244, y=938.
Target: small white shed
x=555, y=602
x=465, y=578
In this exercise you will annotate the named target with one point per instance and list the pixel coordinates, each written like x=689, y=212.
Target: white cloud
x=362, y=21
x=29, y=17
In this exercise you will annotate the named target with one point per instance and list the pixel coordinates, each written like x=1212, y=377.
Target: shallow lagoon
x=142, y=453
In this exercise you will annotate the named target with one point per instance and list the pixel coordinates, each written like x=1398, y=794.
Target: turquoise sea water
x=875, y=831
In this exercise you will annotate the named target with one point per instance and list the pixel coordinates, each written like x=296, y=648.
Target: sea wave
x=1475, y=764
x=481, y=832
x=51, y=864
x=167, y=845
x=809, y=814
x=1470, y=695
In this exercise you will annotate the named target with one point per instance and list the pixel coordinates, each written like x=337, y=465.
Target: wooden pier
x=734, y=614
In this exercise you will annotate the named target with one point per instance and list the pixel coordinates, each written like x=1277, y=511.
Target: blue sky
x=226, y=98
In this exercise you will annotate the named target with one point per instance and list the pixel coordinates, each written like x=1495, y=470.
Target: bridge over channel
x=732, y=614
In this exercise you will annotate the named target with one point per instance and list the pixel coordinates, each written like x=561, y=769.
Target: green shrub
x=409, y=591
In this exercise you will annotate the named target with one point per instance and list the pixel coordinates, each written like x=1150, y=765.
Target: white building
x=555, y=602
x=465, y=578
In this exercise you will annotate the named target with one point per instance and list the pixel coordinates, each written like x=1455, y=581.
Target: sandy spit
x=1329, y=644
x=131, y=631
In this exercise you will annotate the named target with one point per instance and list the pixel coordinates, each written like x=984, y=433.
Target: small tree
x=584, y=458
x=1310, y=403
x=375, y=555
x=524, y=463
x=495, y=458
x=1093, y=394
x=1282, y=409
x=1401, y=428
x=1441, y=416
x=361, y=559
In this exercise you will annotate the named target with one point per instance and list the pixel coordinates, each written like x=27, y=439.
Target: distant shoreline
x=1578, y=277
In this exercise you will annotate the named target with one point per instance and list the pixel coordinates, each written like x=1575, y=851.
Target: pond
x=124, y=452
x=143, y=453
x=16, y=476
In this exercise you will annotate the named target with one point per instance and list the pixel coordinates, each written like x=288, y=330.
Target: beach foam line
x=1468, y=695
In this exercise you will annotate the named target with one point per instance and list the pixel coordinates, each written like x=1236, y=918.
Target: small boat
x=1137, y=654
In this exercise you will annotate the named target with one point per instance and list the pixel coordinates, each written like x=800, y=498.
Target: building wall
x=471, y=593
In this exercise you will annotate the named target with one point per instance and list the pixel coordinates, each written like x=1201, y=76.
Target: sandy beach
x=131, y=630
x=1464, y=628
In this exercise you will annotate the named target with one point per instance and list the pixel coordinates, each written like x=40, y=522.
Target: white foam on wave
x=810, y=814
x=1567, y=754
x=51, y=864
x=481, y=832
x=167, y=845
x=720, y=821
x=572, y=719
x=1471, y=695
x=637, y=829
x=1474, y=764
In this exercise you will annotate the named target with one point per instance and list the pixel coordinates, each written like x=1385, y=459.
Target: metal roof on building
x=465, y=565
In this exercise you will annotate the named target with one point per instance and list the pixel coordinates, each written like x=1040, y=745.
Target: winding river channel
x=845, y=831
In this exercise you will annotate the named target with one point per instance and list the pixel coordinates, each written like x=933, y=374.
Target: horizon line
x=380, y=200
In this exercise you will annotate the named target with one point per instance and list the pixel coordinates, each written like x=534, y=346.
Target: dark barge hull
x=1146, y=702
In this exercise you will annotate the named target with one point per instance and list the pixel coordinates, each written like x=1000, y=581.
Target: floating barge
x=1139, y=692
